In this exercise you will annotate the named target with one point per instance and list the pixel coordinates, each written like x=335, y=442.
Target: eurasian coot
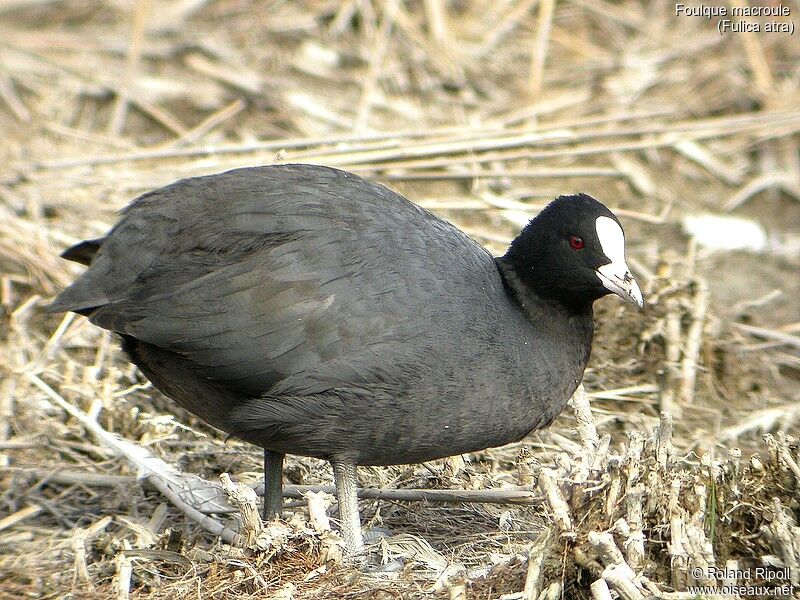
x=311, y=312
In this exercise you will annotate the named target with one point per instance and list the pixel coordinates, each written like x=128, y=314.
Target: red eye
x=576, y=243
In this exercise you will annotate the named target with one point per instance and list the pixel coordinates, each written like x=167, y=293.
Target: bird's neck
x=533, y=303
x=560, y=340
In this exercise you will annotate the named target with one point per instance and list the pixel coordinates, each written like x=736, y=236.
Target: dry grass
x=482, y=118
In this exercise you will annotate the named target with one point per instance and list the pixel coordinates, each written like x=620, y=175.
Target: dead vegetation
x=689, y=455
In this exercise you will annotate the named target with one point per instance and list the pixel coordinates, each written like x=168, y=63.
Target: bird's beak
x=616, y=277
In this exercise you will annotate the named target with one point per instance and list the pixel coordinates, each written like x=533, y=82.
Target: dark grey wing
x=267, y=318
x=258, y=279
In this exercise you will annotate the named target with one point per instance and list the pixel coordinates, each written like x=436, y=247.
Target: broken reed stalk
x=587, y=430
x=80, y=539
x=331, y=545
x=617, y=573
x=31, y=510
x=124, y=572
x=634, y=545
x=533, y=576
x=784, y=532
x=555, y=499
x=671, y=366
x=246, y=502
x=694, y=339
x=770, y=334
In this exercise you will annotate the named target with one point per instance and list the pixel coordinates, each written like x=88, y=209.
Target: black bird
x=308, y=311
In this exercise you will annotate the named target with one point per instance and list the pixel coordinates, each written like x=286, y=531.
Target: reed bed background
x=688, y=455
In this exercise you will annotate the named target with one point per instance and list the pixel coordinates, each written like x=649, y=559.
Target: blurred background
x=481, y=113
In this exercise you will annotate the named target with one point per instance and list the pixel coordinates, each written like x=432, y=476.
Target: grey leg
x=273, y=484
x=344, y=473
